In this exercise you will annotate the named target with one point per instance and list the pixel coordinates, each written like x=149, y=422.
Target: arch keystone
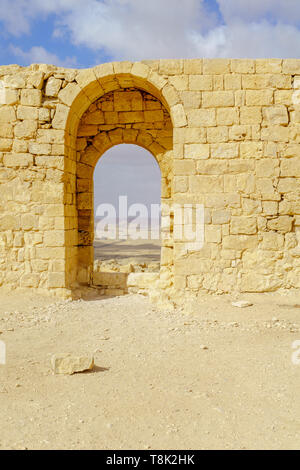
x=104, y=70
x=122, y=67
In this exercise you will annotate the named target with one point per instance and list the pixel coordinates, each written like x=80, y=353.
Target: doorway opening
x=134, y=117
x=127, y=196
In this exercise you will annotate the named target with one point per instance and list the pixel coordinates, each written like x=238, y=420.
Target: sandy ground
x=155, y=385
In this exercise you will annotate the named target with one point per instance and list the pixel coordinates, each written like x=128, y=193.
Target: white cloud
x=131, y=29
x=124, y=29
x=143, y=29
x=16, y=21
x=281, y=11
x=17, y=15
x=254, y=40
x=38, y=55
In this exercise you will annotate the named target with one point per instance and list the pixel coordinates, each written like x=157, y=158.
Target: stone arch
x=83, y=148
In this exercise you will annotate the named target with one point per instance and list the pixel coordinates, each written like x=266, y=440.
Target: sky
x=83, y=33
x=141, y=183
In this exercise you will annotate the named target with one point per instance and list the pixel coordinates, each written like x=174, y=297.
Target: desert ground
x=206, y=376
x=127, y=251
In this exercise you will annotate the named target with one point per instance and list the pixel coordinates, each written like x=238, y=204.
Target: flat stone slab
x=117, y=280
x=68, y=364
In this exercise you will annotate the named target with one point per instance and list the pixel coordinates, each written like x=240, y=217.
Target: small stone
x=202, y=346
x=68, y=364
x=241, y=303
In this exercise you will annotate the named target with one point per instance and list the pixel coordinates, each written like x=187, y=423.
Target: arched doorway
x=128, y=110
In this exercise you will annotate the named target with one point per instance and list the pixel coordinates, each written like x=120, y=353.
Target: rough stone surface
x=68, y=364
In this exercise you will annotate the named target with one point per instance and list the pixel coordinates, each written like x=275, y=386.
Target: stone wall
x=225, y=133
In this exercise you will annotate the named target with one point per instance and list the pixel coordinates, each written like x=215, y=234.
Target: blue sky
x=82, y=33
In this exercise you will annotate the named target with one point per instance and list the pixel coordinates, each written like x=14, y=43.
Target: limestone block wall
x=225, y=133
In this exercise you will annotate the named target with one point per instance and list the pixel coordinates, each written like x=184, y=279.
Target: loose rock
x=68, y=364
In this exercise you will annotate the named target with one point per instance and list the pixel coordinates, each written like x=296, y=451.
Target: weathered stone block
x=31, y=97
x=27, y=112
x=53, y=86
x=243, y=225
x=276, y=115
x=117, y=280
x=25, y=129
x=232, y=81
x=193, y=66
x=227, y=116
x=253, y=282
x=179, y=116
x=217, y=99
x=68, y=364
x=60, y=117
x=242, y=65
x=290, y=167
x=197, y=151
x=217, y=134
x=272, y=241
x=213, y=234
x=224, y=150
x=171, y=66
x=18, y=160
x=200, y=82
x=68, y=94
x=268, y=65
x=7, y=114
x=282, y=224
x=30, y=280
x=5, y=145
x=221, y=217
x=291, y=66
x=206, y=184
x=250, y=115
x=259, y=97
x=6, y=130
x=201, y=117
x=216, y=66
